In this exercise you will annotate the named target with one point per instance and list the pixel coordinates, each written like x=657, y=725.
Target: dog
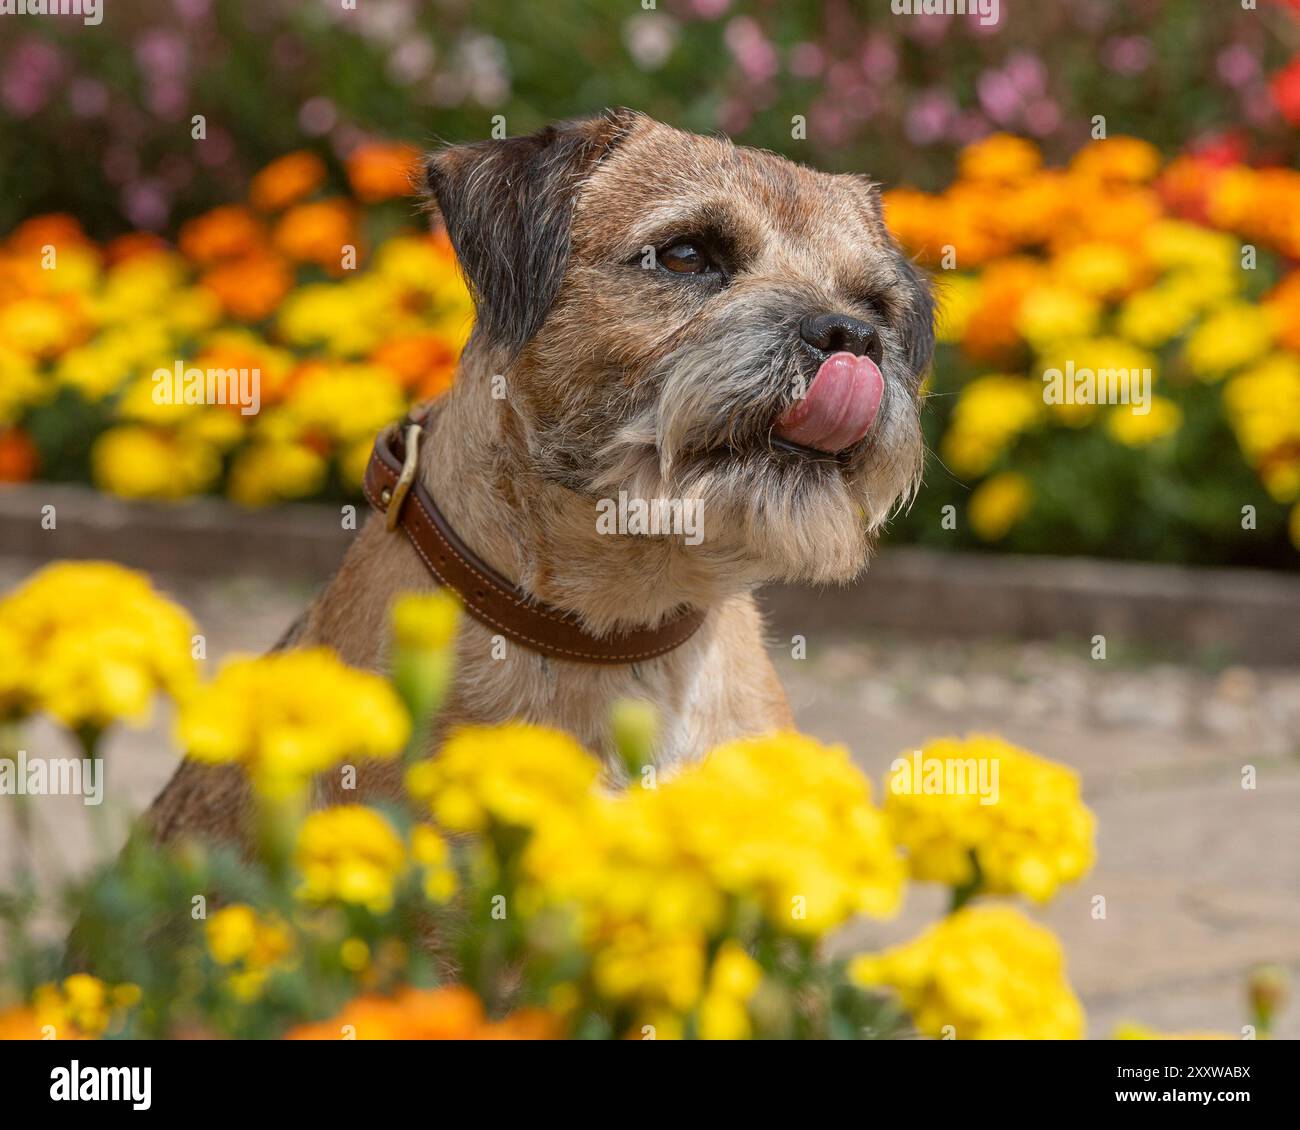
x=659, y=316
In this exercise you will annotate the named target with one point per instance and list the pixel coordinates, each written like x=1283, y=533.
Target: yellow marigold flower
x=193, y=311
x=990, y=413
x=426, y=621
x=21, y=385
x=733, y=980
x=1152, y=317
x=350, y=853
x=983, y=973
x=637, y=963
x=1102, y=270
x=251, y=944
x=382, y=171
x=1263, y=406
x=431, y=853
x=83, y=1005
x=452, y=1013
x=1050, y=313
x=1131, y=1031
x=239, y=934
x=344, y=402
x=515, y=775
x=1117, y=158
x=289, y=715
x=811, y=862
x=40, y=328
x=287, y=180
x=91, y=643
x=274, y=471
x=1177, y=245
x=781, y=824
x=1135, y=429
x=958, y=298
x=77, y=271
x=982, y=809
x=346, y=319
x=1001, y=156
x=1232, y=336
x=998, y=504
x=1121, y=373
x=139, y=462
x=354, y=954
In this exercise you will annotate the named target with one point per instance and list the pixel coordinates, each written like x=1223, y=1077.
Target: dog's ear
x=508, y=207
x=917, y=322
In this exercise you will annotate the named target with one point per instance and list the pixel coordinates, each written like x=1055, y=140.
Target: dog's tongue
x=839, y=407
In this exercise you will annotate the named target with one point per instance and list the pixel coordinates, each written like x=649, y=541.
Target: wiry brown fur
x=619, y=377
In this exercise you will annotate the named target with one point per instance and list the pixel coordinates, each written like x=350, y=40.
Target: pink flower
x=30, y=76
x=751, y=49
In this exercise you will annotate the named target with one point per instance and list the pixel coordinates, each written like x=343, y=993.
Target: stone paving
x=1201, y=877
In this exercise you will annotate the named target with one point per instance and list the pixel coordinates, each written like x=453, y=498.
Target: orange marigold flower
x=227, y=232
x=1285, y=299
x=453, y=1013
x=133, y=245
x=55, y=228
x=18, y=456
x=317, y=233
x=1187, y=185
x=287, y=180
x=383, y=170
x=250, y=288
x=424, y=362
x=1002, y=156
x=1117, y=158
x=991, y=333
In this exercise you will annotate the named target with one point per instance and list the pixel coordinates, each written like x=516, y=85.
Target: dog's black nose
x=838, y=333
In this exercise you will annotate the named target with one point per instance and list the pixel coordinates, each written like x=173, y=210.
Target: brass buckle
x=398, y=494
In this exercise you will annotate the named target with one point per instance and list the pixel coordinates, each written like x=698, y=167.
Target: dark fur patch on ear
x=917, y=323
x=508, y=208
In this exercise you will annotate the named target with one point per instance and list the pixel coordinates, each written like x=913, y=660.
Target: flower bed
x=343, y=307
x=1113, y=263
x=686, y=907
x=349, y=313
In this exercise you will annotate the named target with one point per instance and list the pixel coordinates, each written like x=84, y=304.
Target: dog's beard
x=699, y=427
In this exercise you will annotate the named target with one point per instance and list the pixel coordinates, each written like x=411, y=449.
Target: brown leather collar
x=391, y=486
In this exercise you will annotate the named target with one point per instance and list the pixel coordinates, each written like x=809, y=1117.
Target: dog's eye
x=685, y=258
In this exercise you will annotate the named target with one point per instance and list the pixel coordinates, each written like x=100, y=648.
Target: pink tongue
x=839, y=407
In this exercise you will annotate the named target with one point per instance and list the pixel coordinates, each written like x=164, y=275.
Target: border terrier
x=671, y=317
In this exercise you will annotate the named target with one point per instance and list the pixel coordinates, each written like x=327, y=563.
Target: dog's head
x=682, y=318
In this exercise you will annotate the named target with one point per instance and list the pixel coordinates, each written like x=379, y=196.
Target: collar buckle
x=403, y=485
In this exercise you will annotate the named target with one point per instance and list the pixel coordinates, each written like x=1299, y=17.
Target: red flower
x=1286, y=91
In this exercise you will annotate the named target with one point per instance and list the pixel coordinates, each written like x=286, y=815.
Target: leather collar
x=392, y=487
